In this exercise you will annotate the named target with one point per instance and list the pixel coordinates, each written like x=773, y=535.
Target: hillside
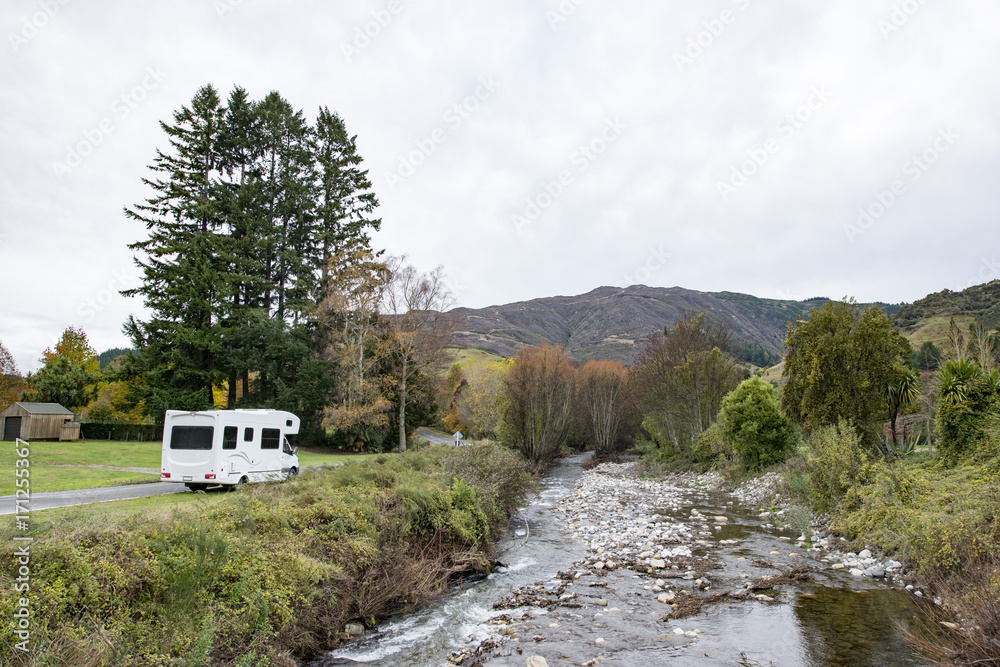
x=612, y=323
x=928, y=319
x=981, y=301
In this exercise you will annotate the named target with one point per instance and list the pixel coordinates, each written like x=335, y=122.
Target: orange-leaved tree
x=603, y=393
x=539, y=401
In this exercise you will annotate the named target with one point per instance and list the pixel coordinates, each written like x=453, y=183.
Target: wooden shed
x=38, y=421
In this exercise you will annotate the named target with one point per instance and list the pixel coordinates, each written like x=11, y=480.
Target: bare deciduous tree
x=603, y=391
x=414, y=303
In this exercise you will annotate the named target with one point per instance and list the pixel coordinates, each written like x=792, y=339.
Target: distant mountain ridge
x=613, y=322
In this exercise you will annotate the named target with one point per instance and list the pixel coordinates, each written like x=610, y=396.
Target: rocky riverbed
x=679, y=571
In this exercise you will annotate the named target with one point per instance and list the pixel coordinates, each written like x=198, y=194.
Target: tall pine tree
x=183, y=273
x=248, y=205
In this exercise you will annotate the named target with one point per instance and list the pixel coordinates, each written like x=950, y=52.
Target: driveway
x=50, y=499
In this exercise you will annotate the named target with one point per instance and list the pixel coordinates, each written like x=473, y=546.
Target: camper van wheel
x=292, y=472
x=238, y=485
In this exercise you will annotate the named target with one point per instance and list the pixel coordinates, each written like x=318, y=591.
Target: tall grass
x=270, y=574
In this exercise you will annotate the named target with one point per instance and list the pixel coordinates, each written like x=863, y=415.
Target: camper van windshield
x=191, y=437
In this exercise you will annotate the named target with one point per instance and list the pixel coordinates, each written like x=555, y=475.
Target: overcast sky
x=533, y=148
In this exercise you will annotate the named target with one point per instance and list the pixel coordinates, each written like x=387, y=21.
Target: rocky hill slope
x=612, y=323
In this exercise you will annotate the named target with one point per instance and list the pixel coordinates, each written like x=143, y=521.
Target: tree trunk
x=402, y=408
x=402, y=420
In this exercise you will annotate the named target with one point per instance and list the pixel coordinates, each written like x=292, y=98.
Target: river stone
x=838, y=566
x=354, y=629
x=721, y=519
x=855, y=572
x=601, y=602
x=876, y=572
x=657, y=563
x=536, y=661
x=865, y=554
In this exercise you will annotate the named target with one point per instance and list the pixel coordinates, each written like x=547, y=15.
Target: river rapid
x=603, y=568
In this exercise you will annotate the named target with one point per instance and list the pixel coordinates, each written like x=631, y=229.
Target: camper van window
x=248, y=435
x=191, y=437
x=229, y=436
x=270, y=438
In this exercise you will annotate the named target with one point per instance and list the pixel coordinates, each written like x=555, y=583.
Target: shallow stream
x=613, y=618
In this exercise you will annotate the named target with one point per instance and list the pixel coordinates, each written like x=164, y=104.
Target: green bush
x=968, y=399
x=709, y=446
x=752, y=422
x=838, y=465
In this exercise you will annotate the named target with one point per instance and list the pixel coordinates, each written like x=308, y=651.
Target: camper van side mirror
x=295, y=450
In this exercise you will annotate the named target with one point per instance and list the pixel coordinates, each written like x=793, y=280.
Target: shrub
x=271, y=572
x=968, y=397
x=751, y=421
x=837, y=467
x=710, y=446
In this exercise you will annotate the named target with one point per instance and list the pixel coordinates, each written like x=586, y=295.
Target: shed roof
x=45, y=409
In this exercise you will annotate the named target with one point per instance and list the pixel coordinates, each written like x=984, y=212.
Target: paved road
x=50, y=499
x=434, y=438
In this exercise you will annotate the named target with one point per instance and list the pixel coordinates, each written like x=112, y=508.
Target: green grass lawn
x=472, y=357
x=61, y=466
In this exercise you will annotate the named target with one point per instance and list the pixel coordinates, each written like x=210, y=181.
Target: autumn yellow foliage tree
x=356, y=284
x=481, y=402
x=11, y=382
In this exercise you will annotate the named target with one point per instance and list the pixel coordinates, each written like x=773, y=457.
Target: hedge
x=130, y=432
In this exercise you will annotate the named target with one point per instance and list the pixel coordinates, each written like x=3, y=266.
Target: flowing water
x=828, y=619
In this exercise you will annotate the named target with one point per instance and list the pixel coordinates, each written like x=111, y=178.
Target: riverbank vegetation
x=267, y=575
x=898, y=450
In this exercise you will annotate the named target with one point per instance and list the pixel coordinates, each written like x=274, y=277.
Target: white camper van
x=228, y=447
